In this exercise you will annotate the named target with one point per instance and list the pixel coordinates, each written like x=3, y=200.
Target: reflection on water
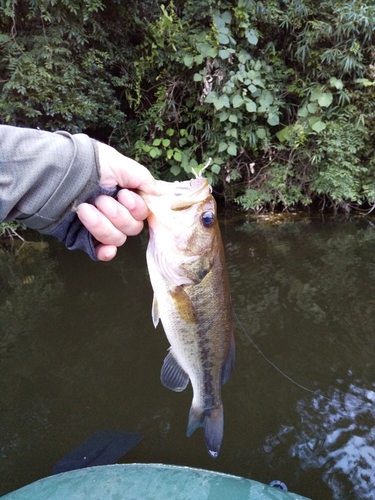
x=79, y=354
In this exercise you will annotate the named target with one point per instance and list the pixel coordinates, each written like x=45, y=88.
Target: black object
x=279, y=484
x=102, y=448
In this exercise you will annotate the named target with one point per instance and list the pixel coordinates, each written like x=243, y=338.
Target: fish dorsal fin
x=155, y=311
x=228, y=366
x=172, y=375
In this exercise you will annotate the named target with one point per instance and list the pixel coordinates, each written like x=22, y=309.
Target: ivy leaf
x=335, y=82
x=188, y=60
x=223, y=39
x=232, y=149
x=154, y=152
x=237, y=101
x=224, y=54
x=244, y=56
x=318, y=126
x=325, y=99
x=251, y=107
x=222, y=146
x=285, y=134
x=223, y=116
x=211, y=97
x=261, y=133
x=303, y=112
x=175, y=169
x=312, y=107
x=273, y=119
x=177, y=155
x=251, y=37
x=221, y=102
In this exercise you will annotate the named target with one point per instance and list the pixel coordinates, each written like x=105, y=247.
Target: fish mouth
x=178, y=195
x=189, y=193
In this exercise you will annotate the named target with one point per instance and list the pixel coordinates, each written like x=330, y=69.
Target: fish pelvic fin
x=212, y=421
x=172, y=375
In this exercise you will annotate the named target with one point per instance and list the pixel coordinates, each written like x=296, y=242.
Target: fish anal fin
x=227, y=368
x=183, y=304
x=172, y=375
x=212, y=421
x=155, y=311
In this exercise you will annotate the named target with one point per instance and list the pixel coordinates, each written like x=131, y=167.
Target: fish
x=186, y=265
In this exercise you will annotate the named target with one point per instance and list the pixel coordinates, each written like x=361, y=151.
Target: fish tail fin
x=212, y=421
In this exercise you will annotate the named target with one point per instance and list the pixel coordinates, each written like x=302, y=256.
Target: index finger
x=119, y=170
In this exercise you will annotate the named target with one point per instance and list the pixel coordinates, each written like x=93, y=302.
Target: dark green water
x=79, y=353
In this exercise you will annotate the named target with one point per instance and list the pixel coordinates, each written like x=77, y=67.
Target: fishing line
x=316, y=393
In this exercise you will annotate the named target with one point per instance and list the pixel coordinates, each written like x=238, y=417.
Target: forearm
x=43, y=174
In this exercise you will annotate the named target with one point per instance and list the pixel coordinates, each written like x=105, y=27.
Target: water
x=79, y=354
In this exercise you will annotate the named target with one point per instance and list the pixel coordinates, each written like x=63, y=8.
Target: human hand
x=111, y=221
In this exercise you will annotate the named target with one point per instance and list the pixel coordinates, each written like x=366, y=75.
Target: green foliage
x=279, y=94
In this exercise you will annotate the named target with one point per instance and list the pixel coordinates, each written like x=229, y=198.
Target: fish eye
x=208, y=219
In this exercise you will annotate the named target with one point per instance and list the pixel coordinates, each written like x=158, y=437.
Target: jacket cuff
x=73, y=233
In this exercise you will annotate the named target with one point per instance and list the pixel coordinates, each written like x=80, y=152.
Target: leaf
x=177, y=155
x=318, y=126
x=170, y=132
x=335, y=82
x=285, y=133
x=303, y=112
x=251, y=107
x=261, y=133
x=154, y=152
x=273, y=119
x=325, y=99
x=188, y=60
x=156, y=142
x=222, y=101
x=312, y=107
x=166, y=142
x=232, y=149
x=175, y=169
x=244, y=56
x=224, y=54
x=233, y=118
x=223, y=116
x=223, y=39
x=215, y=169
x=237, y=101
x=197, y=77
x=223, y=146
x=251, y=37
x=210, y=98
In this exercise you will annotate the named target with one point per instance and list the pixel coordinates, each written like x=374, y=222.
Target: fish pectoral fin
x=172, y=375
x=183, y=304
x=228, y=365
x=155, y=311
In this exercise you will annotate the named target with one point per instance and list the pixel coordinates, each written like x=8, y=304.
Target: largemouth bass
x=185, y=259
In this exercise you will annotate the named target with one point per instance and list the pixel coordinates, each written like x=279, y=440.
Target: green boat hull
x=147, y=481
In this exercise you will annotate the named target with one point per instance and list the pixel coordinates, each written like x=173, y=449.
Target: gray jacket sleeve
x=43, y=175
